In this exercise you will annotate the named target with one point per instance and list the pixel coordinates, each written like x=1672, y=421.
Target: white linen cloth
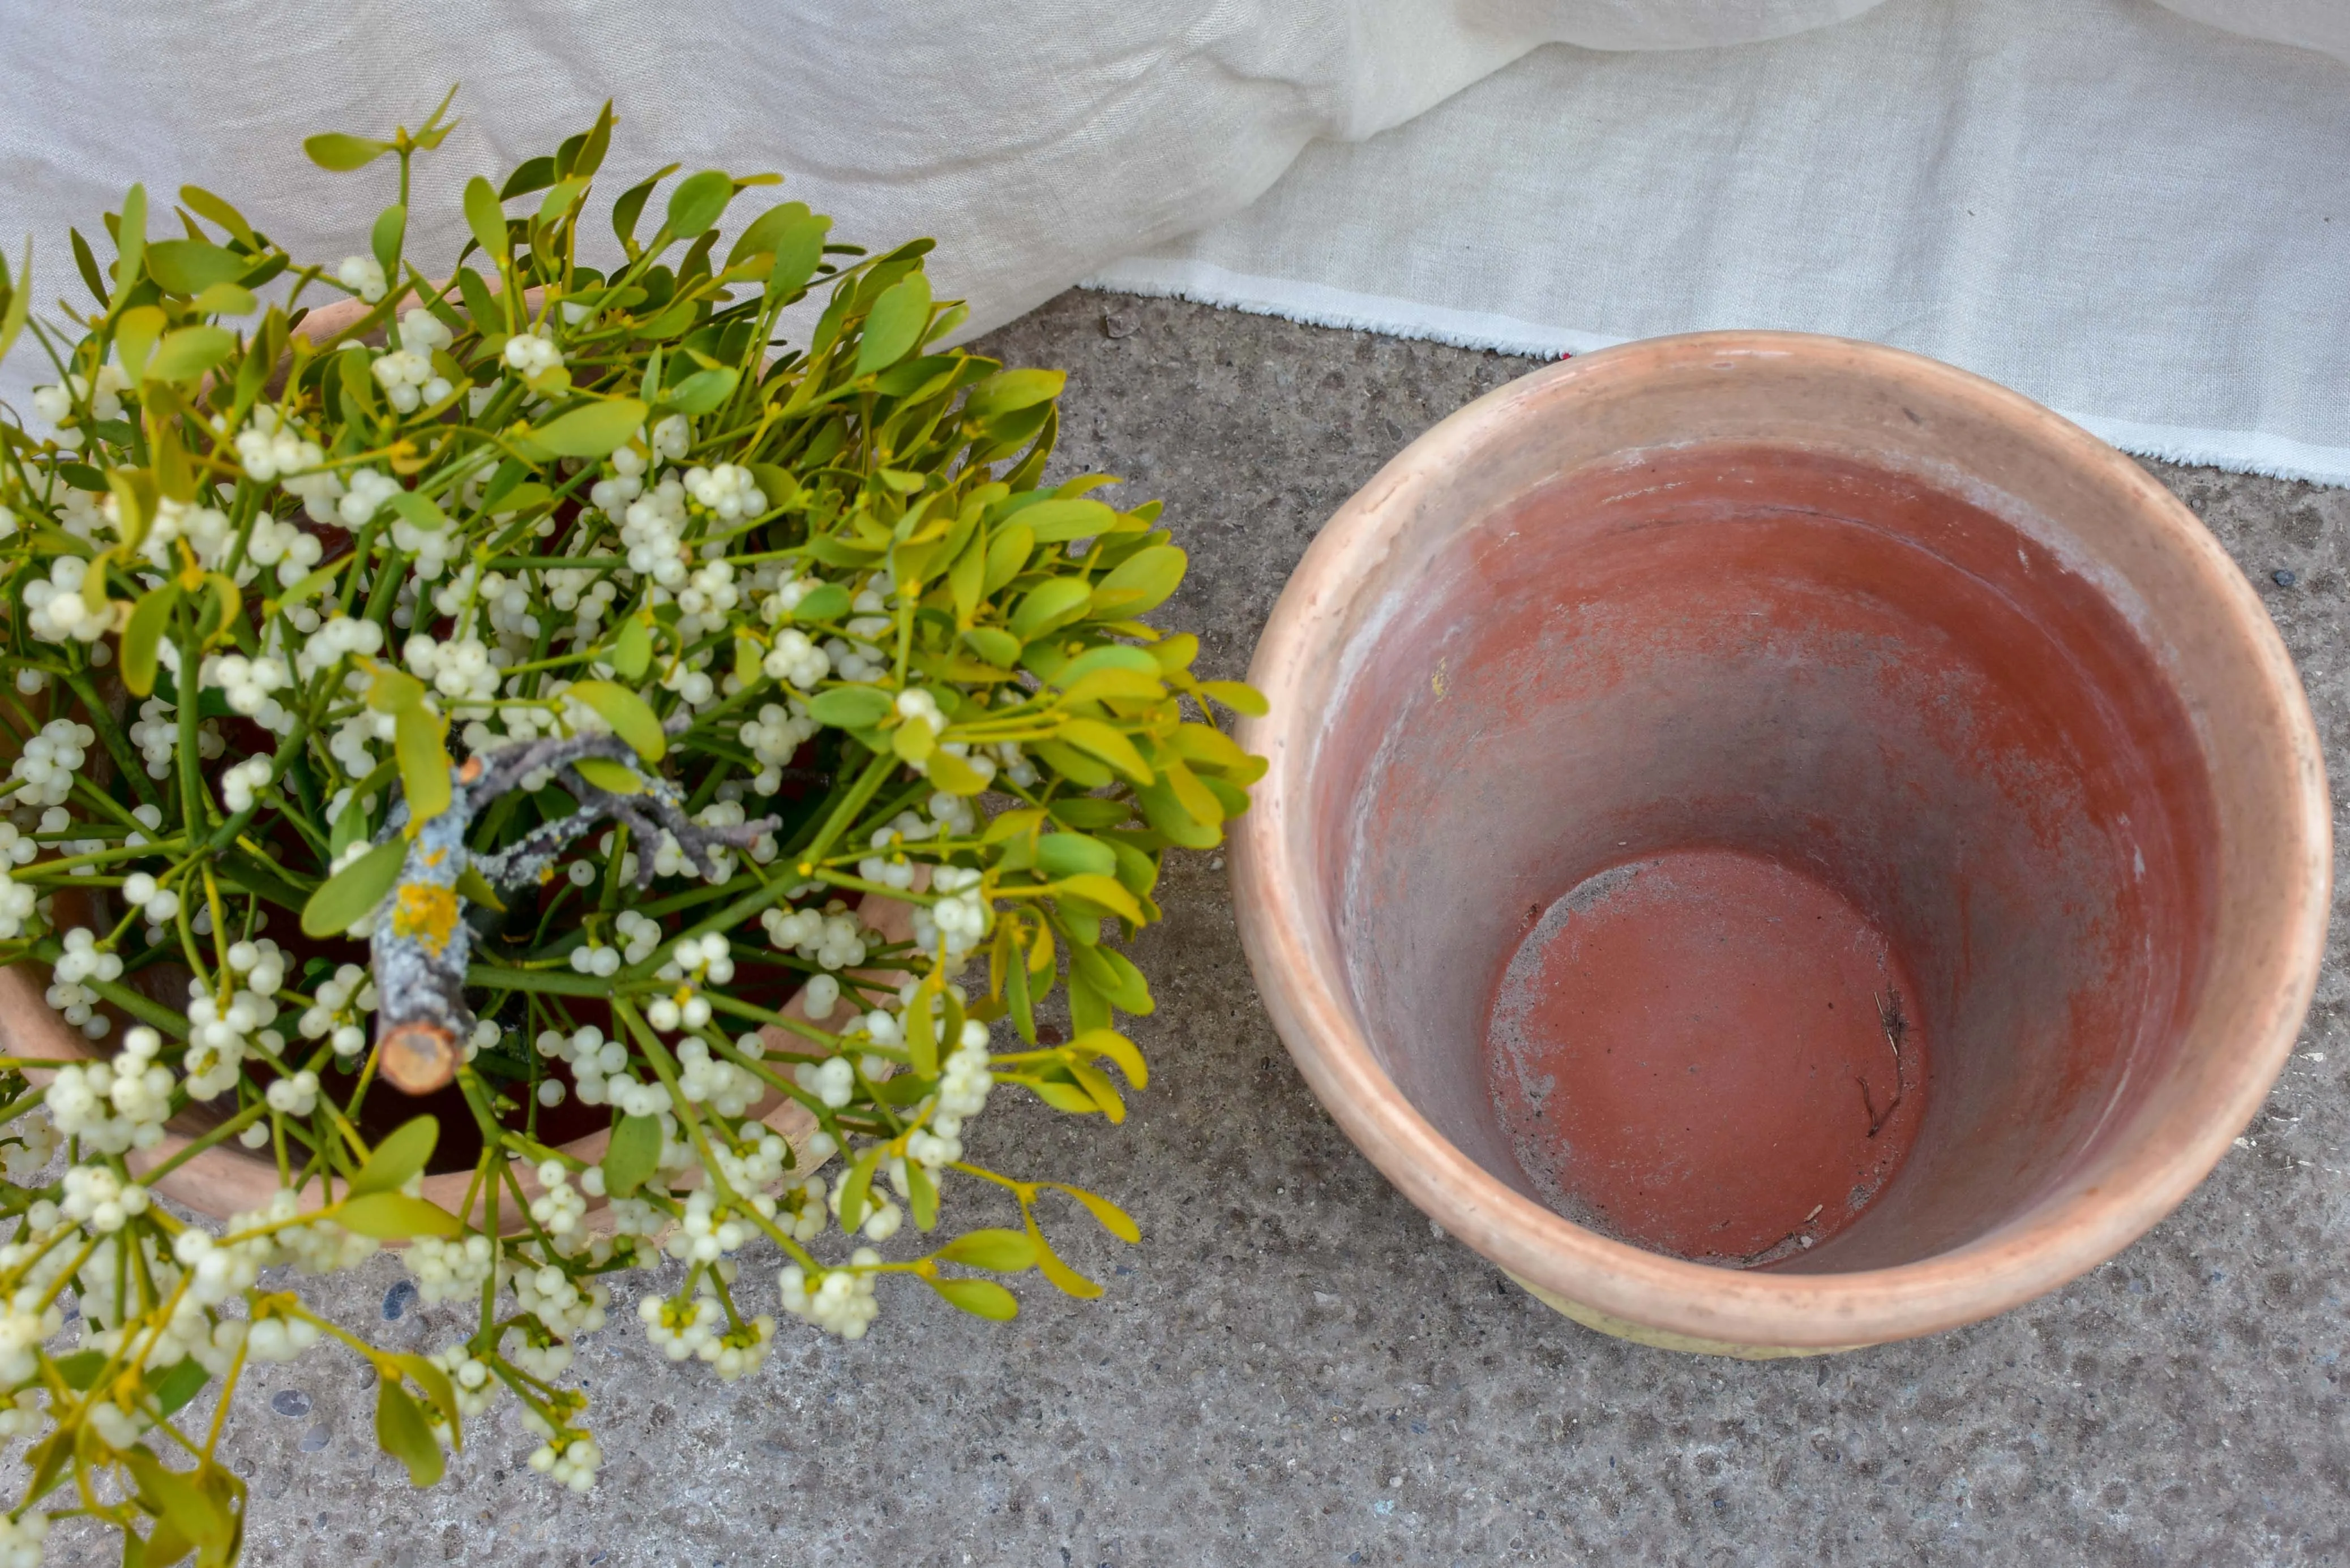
x=2142, y=221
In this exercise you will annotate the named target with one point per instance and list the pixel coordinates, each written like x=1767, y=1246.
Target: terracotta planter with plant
x=225, y=1179
x=1781, y=844
x=617, y=736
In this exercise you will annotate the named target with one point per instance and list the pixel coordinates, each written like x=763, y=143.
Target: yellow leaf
x=134, y=339
x=1201, y=744
x=423, y=764
x=1065, y=1279
x=1113, y=1219
x=393, y=692
x=626, y=711
x=1096, y=1082
x=1238, y=698
x=475, y=887
x=1011, y=823
x=1103, y=890
x=913, y=742
x=1098, y=684
x=1197, y=801
x=611, y=777
x=390, y=1216
x=954, y=776
x=1109, y=1042
x=1099, y=739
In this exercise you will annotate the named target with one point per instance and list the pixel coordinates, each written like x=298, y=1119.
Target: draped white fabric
x=2135, y=219
x=2142, y=220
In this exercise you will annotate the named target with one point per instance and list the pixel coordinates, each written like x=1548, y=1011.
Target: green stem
x=757, y=1014
x=221, y=1134
x=101, y=719
x=186, y=688
x=659, y=1059
x=552, y=564
x=844, y=815
x=279, y=762
x=174, y=1024
x=560, y=982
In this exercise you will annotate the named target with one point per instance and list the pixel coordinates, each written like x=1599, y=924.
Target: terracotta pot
x=1780, y=844
x=228, y=1179
x=325, y=320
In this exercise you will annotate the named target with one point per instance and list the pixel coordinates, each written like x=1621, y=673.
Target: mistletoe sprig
x=505, y=549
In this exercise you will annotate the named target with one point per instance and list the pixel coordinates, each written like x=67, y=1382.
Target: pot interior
x=1768, y=858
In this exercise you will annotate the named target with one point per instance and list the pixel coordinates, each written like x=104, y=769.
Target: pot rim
x=2075, y=1228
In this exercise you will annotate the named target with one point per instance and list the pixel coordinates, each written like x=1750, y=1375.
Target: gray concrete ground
x=1291, y=1369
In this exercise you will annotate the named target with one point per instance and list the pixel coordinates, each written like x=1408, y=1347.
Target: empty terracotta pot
x=1781, y=844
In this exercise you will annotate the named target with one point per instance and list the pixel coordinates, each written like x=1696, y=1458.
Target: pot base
x=1708, y=1054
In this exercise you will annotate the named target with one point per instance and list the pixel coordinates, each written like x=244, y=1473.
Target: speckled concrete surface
x=1291, y=1369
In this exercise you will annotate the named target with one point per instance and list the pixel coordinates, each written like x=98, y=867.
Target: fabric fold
x=1430, y=152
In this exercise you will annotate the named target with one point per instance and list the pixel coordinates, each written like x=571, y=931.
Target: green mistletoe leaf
x=350, y=894
x=980, y=1298
x=401, y=1431
x=338, y=153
